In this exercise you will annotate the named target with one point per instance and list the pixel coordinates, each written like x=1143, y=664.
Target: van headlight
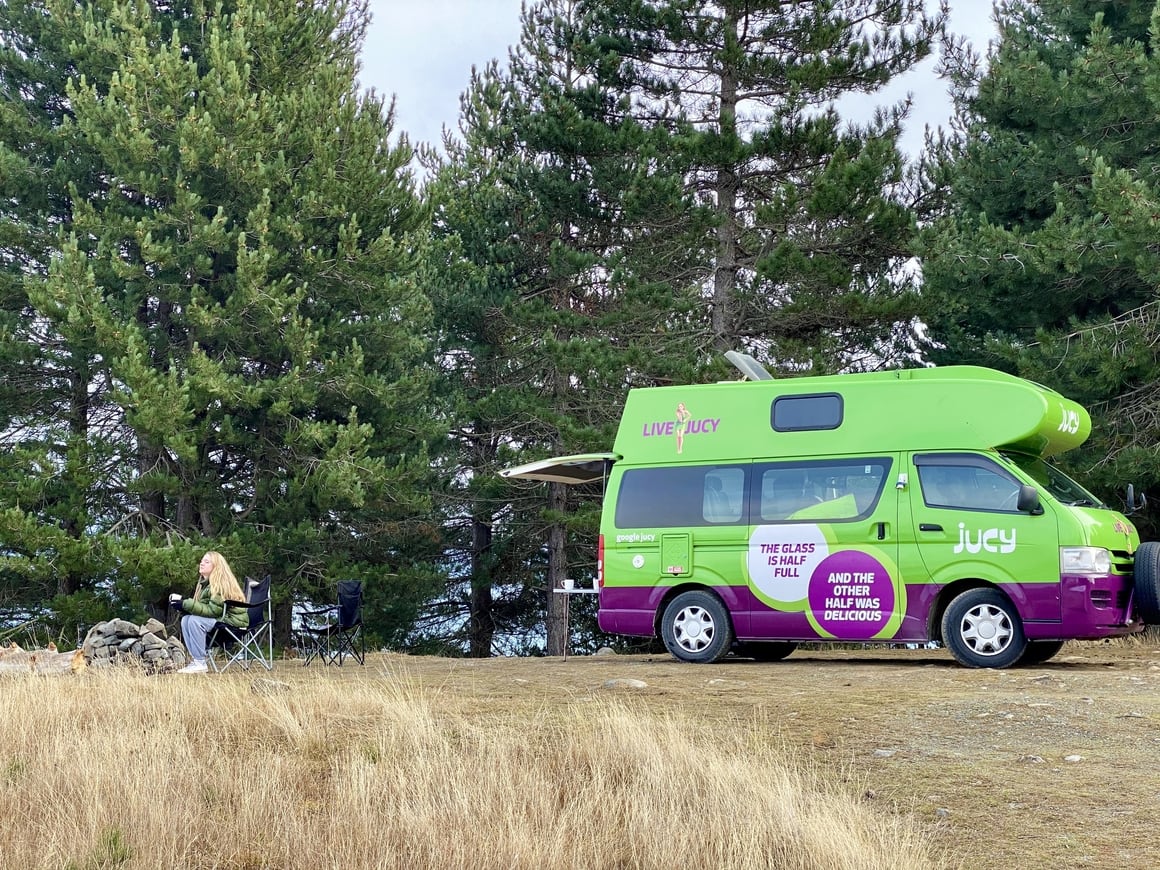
x=1084, y=560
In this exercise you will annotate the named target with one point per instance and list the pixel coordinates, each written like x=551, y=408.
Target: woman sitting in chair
x=207, y=606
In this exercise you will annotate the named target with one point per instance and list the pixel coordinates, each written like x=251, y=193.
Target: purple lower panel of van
x=1094, y=607
x=633, y=609
x=1036, y=602
x=1079, y=607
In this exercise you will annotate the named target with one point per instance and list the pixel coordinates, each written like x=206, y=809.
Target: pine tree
x=47, y=397
x=1042, y=263
x=244, y=294
x=1023, y=246
x=598, y=217
x=808, y=231
x=565, y=288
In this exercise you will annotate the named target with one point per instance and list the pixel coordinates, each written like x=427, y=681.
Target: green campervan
x=886, y=507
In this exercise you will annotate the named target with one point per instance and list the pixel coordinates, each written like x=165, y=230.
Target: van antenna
x=748, y=366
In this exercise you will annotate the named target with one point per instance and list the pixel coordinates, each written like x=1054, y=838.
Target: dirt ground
x=1045, y=767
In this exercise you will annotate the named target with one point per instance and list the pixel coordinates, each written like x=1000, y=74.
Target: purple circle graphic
x=851, y=595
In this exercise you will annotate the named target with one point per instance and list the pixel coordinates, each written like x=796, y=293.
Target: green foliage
x=1044, y=261
x=112, y=850
x=1024, y=245
x=47, y=466
x=804, y=224
x=562, y=283
x=239, y=330
x=612, y=218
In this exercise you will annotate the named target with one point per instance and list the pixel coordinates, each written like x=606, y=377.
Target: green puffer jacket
x=208, y=604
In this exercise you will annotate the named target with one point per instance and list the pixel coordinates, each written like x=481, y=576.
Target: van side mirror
x=1028, y=500
x=1135, y=503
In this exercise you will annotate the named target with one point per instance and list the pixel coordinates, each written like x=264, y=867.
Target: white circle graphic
x=781, y=559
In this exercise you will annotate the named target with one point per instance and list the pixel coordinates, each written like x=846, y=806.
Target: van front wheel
x=982, y=629
x=1147, y=582
x=695, y=628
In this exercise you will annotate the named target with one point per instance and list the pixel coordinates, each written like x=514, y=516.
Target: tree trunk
x=14, y=660
x=152, y=501
x=725, y=272
x=78, y=424
x=481, y=619
x=557, y=570
x=283, y=623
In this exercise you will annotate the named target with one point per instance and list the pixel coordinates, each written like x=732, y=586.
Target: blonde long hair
x=222, y=582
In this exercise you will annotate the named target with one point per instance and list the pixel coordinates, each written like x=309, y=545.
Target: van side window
x=819, y=491
x=681, y=496
x=805, y=413
x=724, y=496
x=966, y=483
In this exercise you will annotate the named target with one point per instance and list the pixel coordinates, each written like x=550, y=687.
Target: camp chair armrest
x=320, y=612
x=244, y=605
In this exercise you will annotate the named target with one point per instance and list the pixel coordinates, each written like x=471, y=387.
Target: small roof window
x=806, y=413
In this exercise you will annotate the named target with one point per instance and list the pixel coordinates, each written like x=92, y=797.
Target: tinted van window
x=1055, y=481
x=819, y=491
x=681, y=496
x=966, y=482
x=803, y=413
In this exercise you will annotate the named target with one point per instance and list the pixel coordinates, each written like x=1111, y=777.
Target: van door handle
x=882, y=531
x=929, y=527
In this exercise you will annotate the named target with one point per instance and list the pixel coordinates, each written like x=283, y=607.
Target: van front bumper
x=1091, y=607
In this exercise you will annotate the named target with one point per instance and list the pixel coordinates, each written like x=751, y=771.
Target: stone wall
x=119, y=642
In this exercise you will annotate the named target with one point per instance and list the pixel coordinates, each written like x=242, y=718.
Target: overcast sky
x=422, y=52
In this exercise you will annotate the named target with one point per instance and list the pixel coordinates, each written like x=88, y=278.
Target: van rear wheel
x=1039, y=651
x=772, y=651
x=695, y=628
x=982, y=629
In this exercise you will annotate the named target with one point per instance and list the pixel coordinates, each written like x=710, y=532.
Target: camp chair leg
x=341, y=627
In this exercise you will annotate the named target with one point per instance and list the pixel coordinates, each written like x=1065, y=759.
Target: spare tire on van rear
x=1147, y=582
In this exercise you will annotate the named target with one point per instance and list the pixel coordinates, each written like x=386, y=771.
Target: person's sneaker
x=194, y=667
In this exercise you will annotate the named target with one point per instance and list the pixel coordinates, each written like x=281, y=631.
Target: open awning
x=581, y=468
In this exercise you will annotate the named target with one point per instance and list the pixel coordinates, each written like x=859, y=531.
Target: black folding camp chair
x=241, y=646
x=333, y=633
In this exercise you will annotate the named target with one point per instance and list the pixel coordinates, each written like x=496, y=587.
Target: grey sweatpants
x=193, y=632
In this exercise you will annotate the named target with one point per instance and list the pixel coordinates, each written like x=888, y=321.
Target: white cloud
x=422, y=53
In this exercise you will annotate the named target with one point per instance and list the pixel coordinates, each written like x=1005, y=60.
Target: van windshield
x=1058, y=484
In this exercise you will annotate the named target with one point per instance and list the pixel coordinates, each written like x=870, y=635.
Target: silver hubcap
x=986, y=629
x=694, y=628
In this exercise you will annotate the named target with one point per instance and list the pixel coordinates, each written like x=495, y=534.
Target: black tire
x=1040, y=651
x=695, y=628
x=1147, y=582
x=773, y=651
x=982, y=629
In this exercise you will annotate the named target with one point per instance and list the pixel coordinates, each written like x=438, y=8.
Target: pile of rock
x=120, y=642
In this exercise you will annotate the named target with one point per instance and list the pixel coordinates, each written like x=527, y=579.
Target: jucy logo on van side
x=986, y=540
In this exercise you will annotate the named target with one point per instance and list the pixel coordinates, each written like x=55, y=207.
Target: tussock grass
x=126, y=771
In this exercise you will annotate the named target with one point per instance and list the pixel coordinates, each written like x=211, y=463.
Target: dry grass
x=377, y=769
